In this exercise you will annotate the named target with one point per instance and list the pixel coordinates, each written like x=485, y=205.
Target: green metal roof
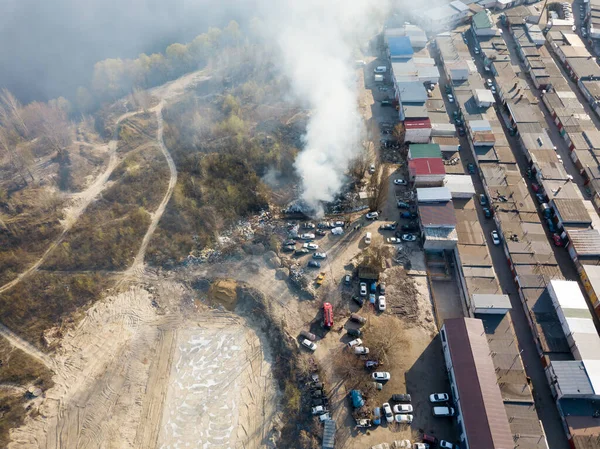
x=482, y=20
x=421, y=150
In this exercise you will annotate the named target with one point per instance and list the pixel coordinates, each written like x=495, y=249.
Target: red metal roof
x=417, y=124
x=426, y=166
x=483, y=412
x=437, y=214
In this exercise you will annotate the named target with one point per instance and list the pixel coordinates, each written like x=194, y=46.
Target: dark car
x=403, y=205
x=358, y=300
x=409, y=228
x=288, y=249
x=388, y=227
x=471, y=168
x=483, y=200
x=348, y=279
x=314, y=264
x=540, y=198
x=320, y=232
x=401, y=398
x=382, y=288
x=354, y=332
x=301, y=251
x=408, y=215
x=386, y=103
x=461, y=131
x=289, y=242
x=487, y=212
x=557, y=240
x=551, y=226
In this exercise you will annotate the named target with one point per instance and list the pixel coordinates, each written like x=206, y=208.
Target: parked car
x=487, y=213
x=420, y=446
x=409, y=237
x=353, y=343
x=380, y=69
x=381, y=376
x=495, y=237
x=371, y=364
x=307, y=236
x=489, y=83
x=357, y=318
x=541, y=199
x=386, y=103
x=382, y=288
x=311, y=246
x=408, y=215
x=409, y=228
x=372, y=298
x=308, y=335
x=429, y=438
x=403, y=205
x=443, y=411
x=354, y=332
x=393, y=240
x=313, y=264
x=363, y=289
x=318, y=410
x=372, y=216
x=558, y=241
x=360, y=350
x=348, y=279
x=438, y=397
x=382, y=305
x=551, y=226
x=387, y=411
x=289, y=242
x=320, y=232
x=376, y=416
x=301, y=252
x=308, y=226
x=401, y=398
x=388, y=227
x=461, y=131
x=373, y=287
x=319, y=255
x=404, y=419
x=447, y=445
x=450, y=98
x=368, y=238
x=403, y=408
x=483, y=200
x=400, y=182
x=471, y=168
x=338, y=224
x=288, y=249
x=309, y=344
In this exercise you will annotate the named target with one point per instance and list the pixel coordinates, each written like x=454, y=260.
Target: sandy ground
x=133, y=375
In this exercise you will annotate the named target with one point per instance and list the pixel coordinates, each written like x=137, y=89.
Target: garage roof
x=483, y=412
x=437, y=214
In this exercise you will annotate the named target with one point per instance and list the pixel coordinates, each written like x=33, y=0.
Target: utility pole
x=541, y=12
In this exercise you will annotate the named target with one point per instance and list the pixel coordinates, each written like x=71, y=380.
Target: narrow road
x=138, y=262
x=26, y=347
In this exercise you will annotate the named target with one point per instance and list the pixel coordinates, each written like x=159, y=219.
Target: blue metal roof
x=400, y=47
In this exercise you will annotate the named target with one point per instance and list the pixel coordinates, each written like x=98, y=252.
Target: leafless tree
x=386, y=343
x=399, y=132
x=379, y=187
x=19, y=160
x=358, y=167
x=10, y=110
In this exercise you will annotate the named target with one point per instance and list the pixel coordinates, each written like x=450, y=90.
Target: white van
x=368, y=238
x=443, y=411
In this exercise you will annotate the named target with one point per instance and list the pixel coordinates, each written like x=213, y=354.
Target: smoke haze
x=49, y=47
x=317, y=40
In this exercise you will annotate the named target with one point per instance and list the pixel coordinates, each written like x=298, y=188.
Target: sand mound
x=223, y=292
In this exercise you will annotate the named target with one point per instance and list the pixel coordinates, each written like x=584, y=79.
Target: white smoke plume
x=317, y=39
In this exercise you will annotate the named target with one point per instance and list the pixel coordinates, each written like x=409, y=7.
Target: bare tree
x=387, y=343
x=399, y=132
x=19, y=160
x=358, y=167
x=379, y=186
x=12, y=111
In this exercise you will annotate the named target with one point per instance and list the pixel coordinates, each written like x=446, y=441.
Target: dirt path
x=82, y=201
x=26, y=347
x=138, y=262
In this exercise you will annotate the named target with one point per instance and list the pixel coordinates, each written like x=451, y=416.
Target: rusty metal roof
x=483, y=412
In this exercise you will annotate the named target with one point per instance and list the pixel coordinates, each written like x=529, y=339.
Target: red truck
x=327, y=315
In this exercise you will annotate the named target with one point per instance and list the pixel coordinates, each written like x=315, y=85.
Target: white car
x=363, y=289
x=438, y=397
x=309, y=344
x=354, y=343
x=382, y=305
x=421, y=446
x=447, y=445
x=489, y=83
x=372, y=216
x=393, y=240
x=318, y=410
x=360, y=350
x=387, y=411
x=380, y=69
x=307, y=236
x=405, y=419
x=495, y=237
x=381, y=375
x=403, y=408
x=450, y=98
x=319, y=255
x=312, y=246
x=409, y=237
x=400, y=182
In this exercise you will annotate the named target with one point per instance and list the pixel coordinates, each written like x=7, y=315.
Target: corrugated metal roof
x=426, y=166
x=459, y=184
x=437, y=214
x=572, y=211
x=420, y=150
x=491, y=301
x=585, y=242
x=572, y=377
x=329, y=434
x=433, y=194
x=483, y=412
